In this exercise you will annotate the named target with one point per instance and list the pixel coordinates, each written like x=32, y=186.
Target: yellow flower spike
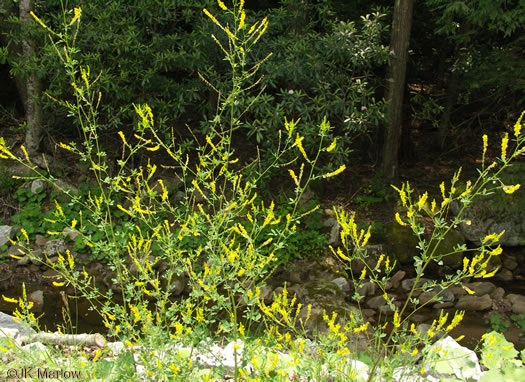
x=336, y=172
x=294, y=177
x=299, y=143
x=442, y=188
x=25, y=153
x=485, y=145
x=242, y=20
x=24, y=233
x=465, y=264
x=397, y=319
x=402, y=194
x=442, y=319
x=398, y=219
x=469, y=291
x=332, y=145
x=70, y=259
x=414, y=352
x=367, y=237
x=222, y=5
x=154, y=148
x=342, y=255
x=511, y=189
x=57, y=284
x=387, y=263
x=490, y=274
x=422, y=201
x=496, y=251
x=76, y=16
x=517, y=125
x=504, y=145
x=59, y=209
x=11, y=300
x=250, y=31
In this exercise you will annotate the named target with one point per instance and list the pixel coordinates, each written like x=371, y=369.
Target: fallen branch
x=96, y=339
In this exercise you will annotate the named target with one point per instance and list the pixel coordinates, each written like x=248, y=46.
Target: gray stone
x=407, y=284
x=37, y=186
x=307, y=196
x=504, y=275
x=497, y=294
x=55, y=247
x=510, y=262
x=443, y=305
x=481, y=287
x=386, y=309
x=53, y=259
x=71, y=233
x=37, y=256
x=367, y=289
x=23, y=260
x=319, y=290
x=457, y=291
x=438, y=295
x=17, y=250
x=496, y=213
x=40, y=240
x=266, y=294
x=178, y=285
x=427, y=297
x=34, y=268
x=6, y=232
x=37, y=298
x=368, y=313
x=423, y=329
x=51, y=275
x=8, y=325
x=343, y=284
x=473, y=302
x=298, y=291
x=63, y=186
x=448, y=246
x=518, y=303
x=401, y=243
x=375, y=302
x=395, y=280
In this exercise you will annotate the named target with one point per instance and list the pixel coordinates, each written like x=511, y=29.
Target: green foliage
x=519, y=321
x=321, y=66
x=158, y=52
x=480, y=42
x=496, y=324
x=32, y=216
x=120, y=368
x=499, y=356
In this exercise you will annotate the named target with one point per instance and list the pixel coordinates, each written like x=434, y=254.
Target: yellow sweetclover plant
x=399, y=335
x=216, y=238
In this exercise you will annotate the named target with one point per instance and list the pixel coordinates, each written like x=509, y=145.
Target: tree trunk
x=33, y=87
x=450, y=102
x=396, y=84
